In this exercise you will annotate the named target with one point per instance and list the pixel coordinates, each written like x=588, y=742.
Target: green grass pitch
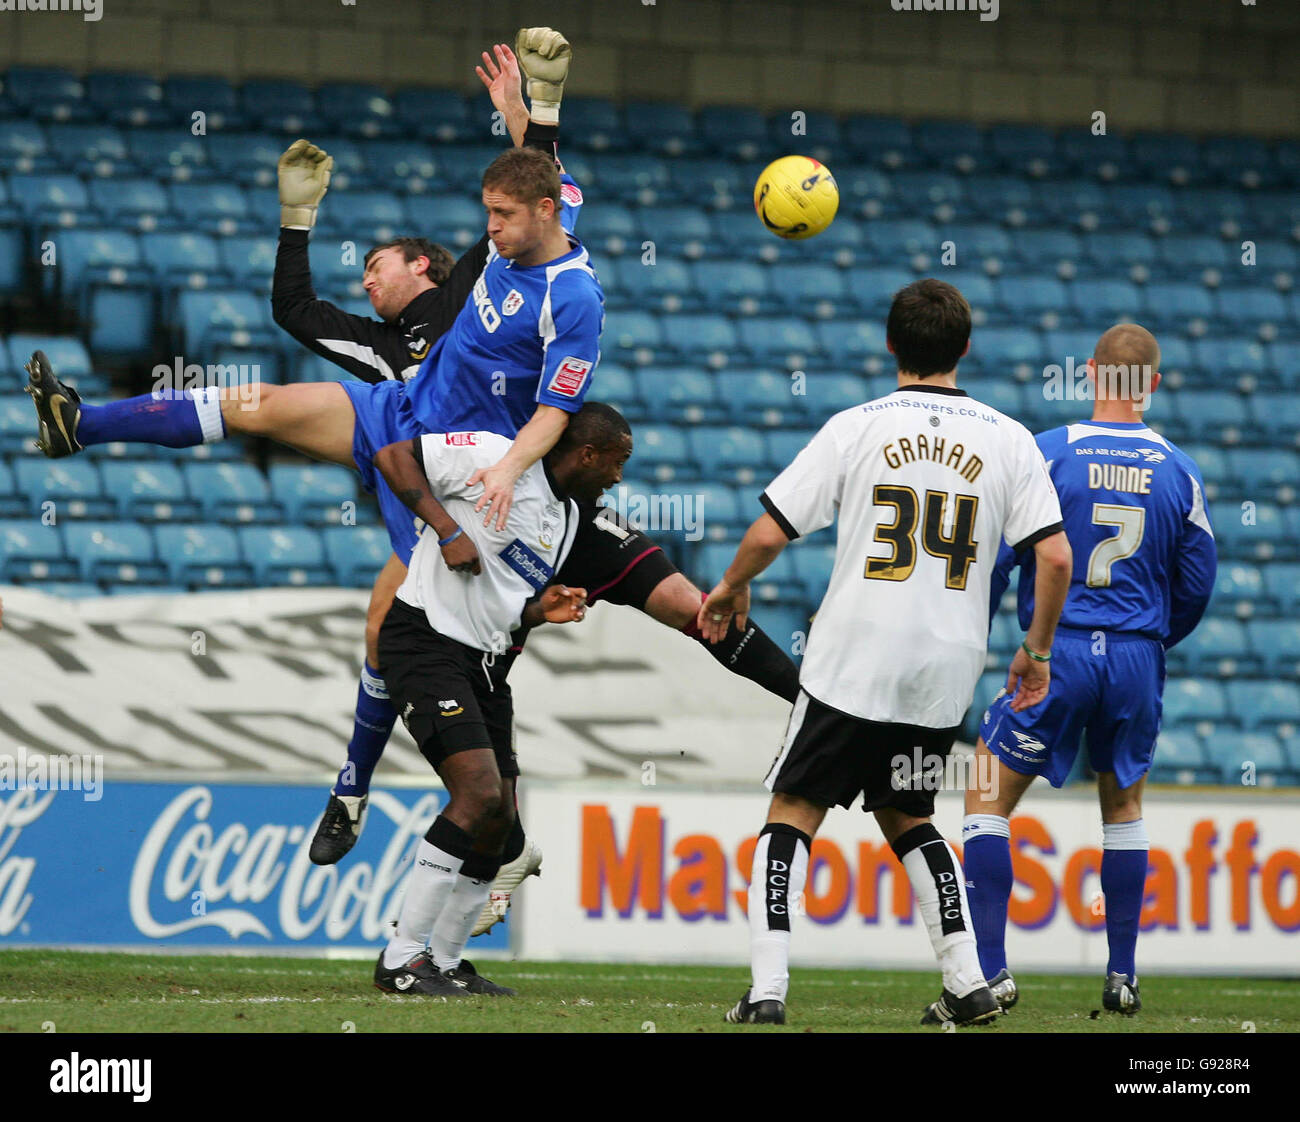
x=167, y=993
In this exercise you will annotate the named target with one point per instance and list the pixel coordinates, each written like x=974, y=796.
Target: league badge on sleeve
x=513, y=302
x=571, y=194
x=570, y=376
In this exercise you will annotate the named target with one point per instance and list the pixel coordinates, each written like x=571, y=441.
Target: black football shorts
x=450, y=697
x=829, y=758
x=613, y=560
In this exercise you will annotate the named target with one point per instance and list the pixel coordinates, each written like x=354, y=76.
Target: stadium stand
x=165, y=243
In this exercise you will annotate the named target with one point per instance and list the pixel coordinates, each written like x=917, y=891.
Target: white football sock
x=432, y=881
x=457, y=920
x=780, y=870
x=940, y=890
x=207, y=404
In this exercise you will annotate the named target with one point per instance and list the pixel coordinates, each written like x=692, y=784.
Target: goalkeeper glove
x=544, y=56
x=304, y=172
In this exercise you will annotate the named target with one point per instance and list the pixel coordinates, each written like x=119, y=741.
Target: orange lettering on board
x=873, y=859
x=1039, y=907
x=699, y=886
x=1160, y=897
x=1282, y=864
x=1240, y=860
x=827, y=907
x=745, y=865
x=1081, y=863
x=638, y=872
x=1199, y=858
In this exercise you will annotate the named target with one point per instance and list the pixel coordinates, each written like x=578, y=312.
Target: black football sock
x=514, y=840
x=752, y=654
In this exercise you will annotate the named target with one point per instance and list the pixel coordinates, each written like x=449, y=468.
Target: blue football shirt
x=1134, y=510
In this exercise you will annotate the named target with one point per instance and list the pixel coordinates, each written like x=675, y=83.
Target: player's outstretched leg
x=939, y=887
x=779, y=872
x=1124, y=850
x=747, y=651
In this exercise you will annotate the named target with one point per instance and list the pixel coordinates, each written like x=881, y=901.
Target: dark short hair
x=597, y=424
x=440, y=258
x=929, y=327
x=526, y=174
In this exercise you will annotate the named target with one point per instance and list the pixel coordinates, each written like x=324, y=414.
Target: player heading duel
x=924, y=483
x=1144, y=567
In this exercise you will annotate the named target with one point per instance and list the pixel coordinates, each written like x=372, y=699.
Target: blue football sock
x=1123, y=883
x=173, y=421
x=987, y=861
x=371, y=729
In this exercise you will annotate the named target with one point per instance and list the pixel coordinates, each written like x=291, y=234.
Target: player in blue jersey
x=1144, y=565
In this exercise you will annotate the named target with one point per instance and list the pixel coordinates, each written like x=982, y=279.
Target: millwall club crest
x=513, y=302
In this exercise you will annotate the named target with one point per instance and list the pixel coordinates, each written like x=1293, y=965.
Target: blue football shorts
x=1107, y=684
x=384, y=417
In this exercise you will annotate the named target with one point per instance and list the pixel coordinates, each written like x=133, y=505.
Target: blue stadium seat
x=811, y=289
x=822, y=133
x=1285, y=365
x=925, y=191
x=1180, y=757
x=739, y=131
x=461, y=166
x=1046, y=250
x=127, y=98
x=1250, y=533
x=1265, y=472
x=209, y=317
x=215, y=208
x=1203, y=414
x=150, y=491
x=181, y=255
x=1282, y=583
x=246, y=158
x=12, y=503
x=130, y=202
x=1024, y=148
x=1239, y=159
x=1166, y=156
x=981, y=294
x=451, y=218
x=1004, y=396
x=72, y=488
x=886, y=141
x=787, y=339
x=1244, y=308
x=442, y=115
x=1230, y=358
x=232, y=492
x=662, y=127
x=67, y=354
x=1033, y=296
x=733, y=286
x=356, y=553
x=684, y=394
x=203, y=555
x=999, y=349
x=783, y=447
x=1066, y=203
x=673, y=228
x=662, y=452
x=87, y=257
x=776, y=583
x=1183, y=252
x=389, y=164
x=279, y=104
x=214, y=97
x=1208, y=207
x=122, y=552
x=873, y=291
x=1254, y=759
x=755, y=396
x=17, y=423
x=951, y=144
x=976, y=242
x=286, y=555
x=700, y=339
x=893, y=241
x=31, y=551
x=1108, y=251
x=1176, y=304
x=851, y=344
x=358, y=109
x=826, y=393
x=714, y=179
x=618, y=388
x=315, y=494
x=1193, y=702
x=1276, y=643
x=727, y=454
x=90, y=147
x=717, y=509
x=1217, y=648
x=813, y=562
x=862, y=185
x=48, y=93
x=611, y=226
x=1260, y=704
x=633, y=335
x=1108, y=300
x=1238, y=589
x=23, y=147
x=52, y=200
x=374, y=216
x=666, y=284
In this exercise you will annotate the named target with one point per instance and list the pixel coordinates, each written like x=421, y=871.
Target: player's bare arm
x=1030, y=673
x=533, y=441
x=400, y=465
x=504, y=85
x=761, y=545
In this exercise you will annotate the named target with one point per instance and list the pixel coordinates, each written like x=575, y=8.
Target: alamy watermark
x=92, y=11
x=657, y=512
x=41, y=772
x=922, y=771
x=241, y=381
x=1118, y=381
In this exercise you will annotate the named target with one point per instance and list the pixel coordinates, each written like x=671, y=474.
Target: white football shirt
x=926, y=482
x=517, y=562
